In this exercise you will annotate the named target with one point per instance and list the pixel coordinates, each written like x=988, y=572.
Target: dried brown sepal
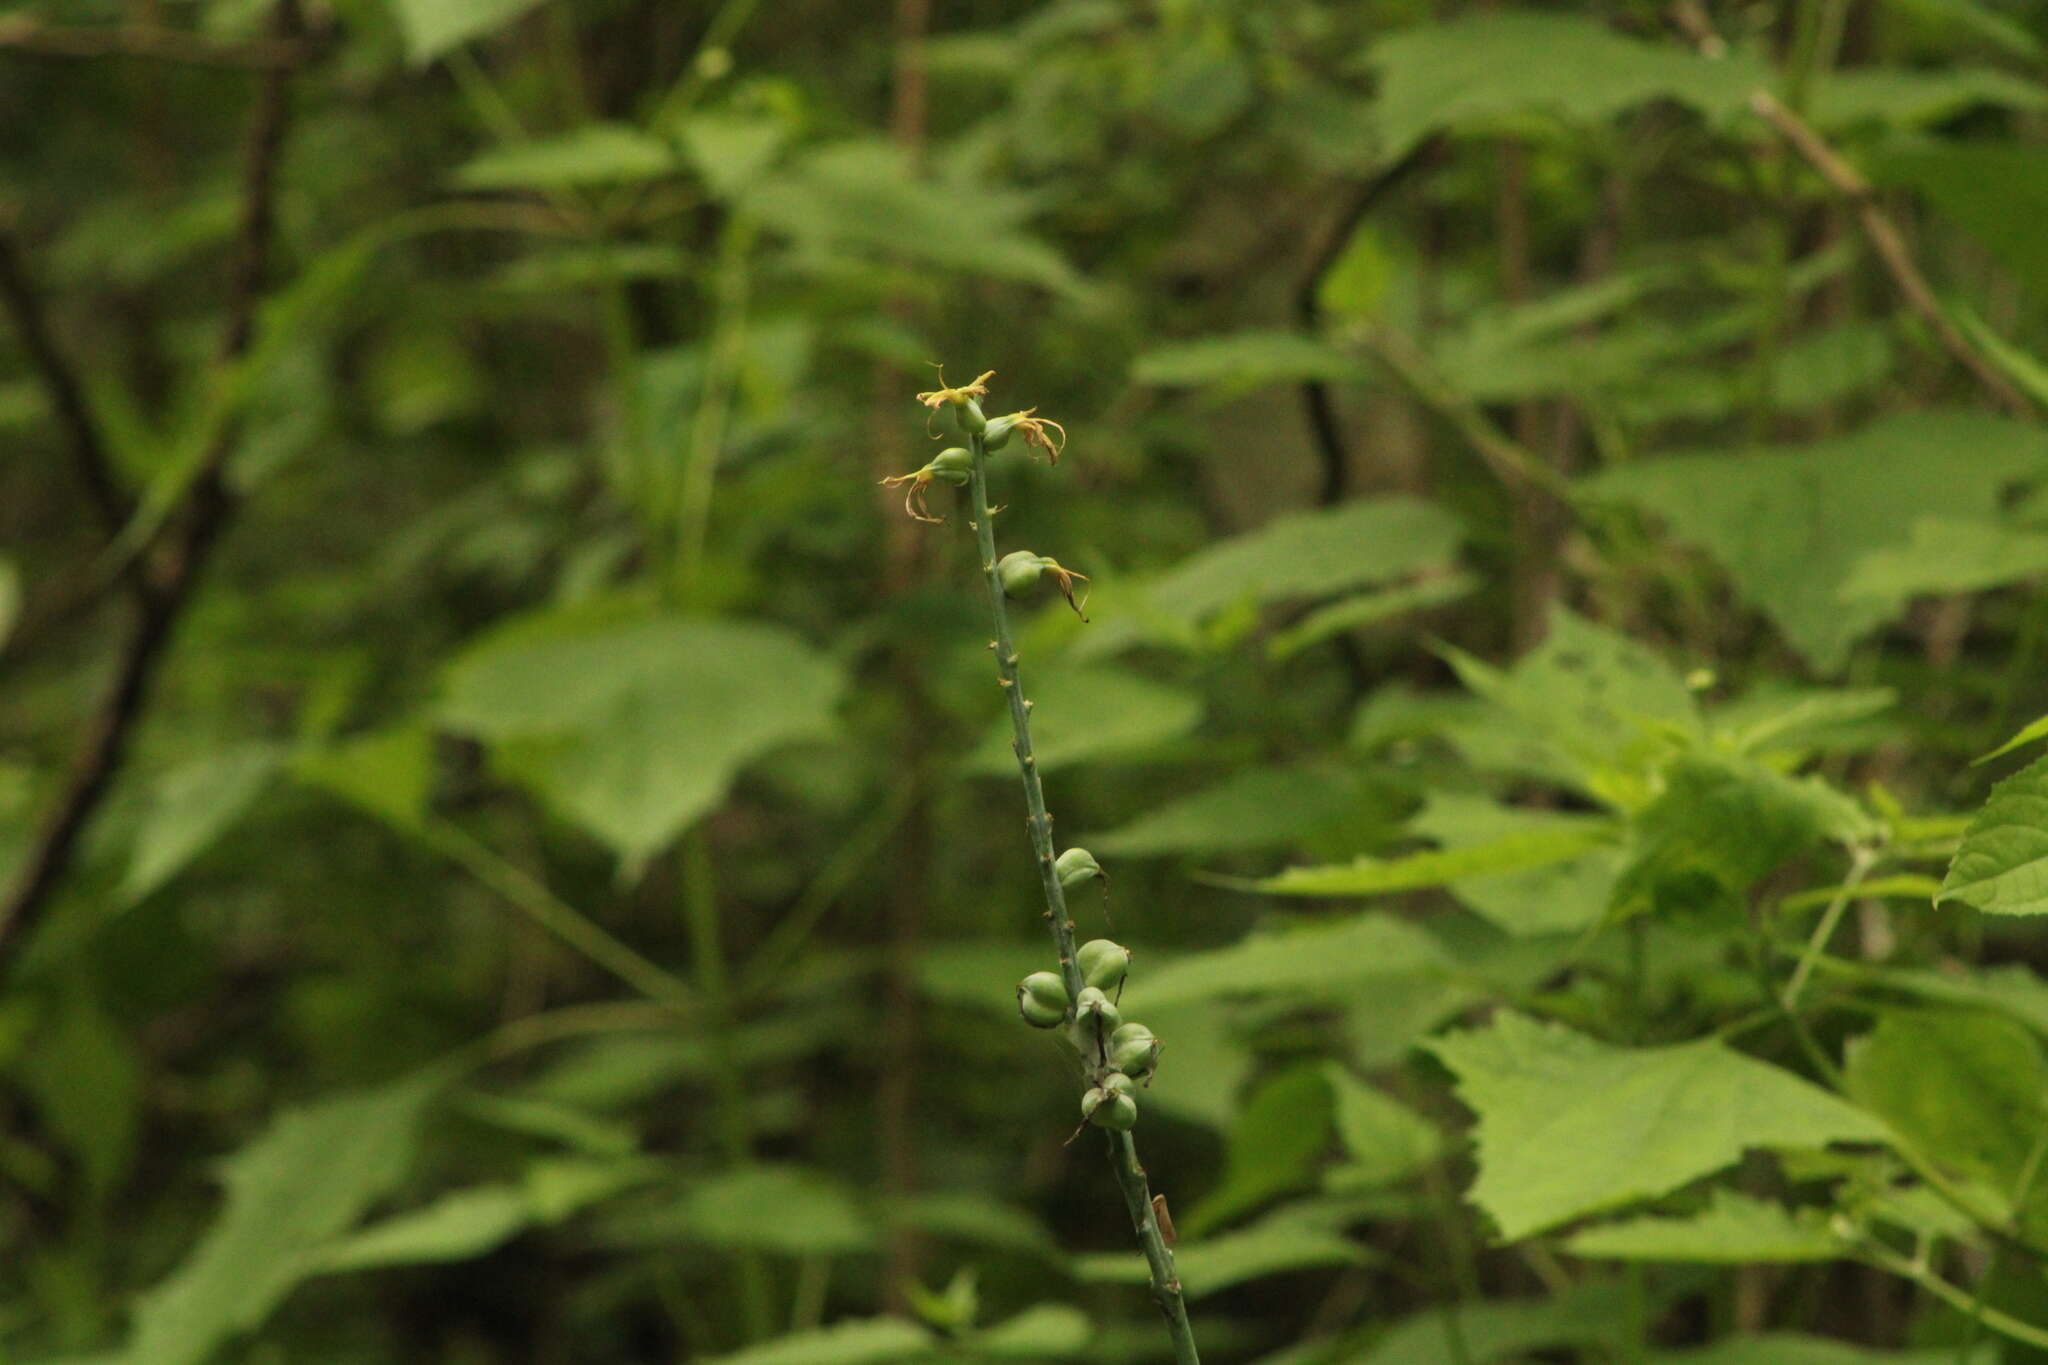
x=920, y=484
x=1065, y=578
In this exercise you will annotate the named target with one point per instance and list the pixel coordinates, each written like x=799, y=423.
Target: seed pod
x=952, y=464
x=1042, y=999
x=967, y=413
x=997, y=434
x=1133, y=1050
x=1097, y=1011
x=1119, y=1085
x=1019, y=571
x=1108, y=1108
x=1103, y=963
x=1075, y=866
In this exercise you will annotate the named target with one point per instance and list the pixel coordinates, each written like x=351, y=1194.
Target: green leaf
x=1791, y=722
x=1990, y=189
x=432, y=27
x=590, y=154
x=1477, y=73
x=1276, y=1144
x=1591, y=1313
x=976, y=1219
x=1257, y=808
x=1896, y=97
x=1311, y=554
x=790, y=1210
x=1369, y=608
x=1311, y=959
x=1519, y=851
x=82, y=1073
x=634, y=727
x=1569, y=1126
x=1790, y=525
x=1733, y=1229
x=304, y=1181
x=1279, y=1243
x=863, y=1341
x=190, y=807
x=1978, y=20
x=387, y=773
x=1243, y=361
x=1385, y=1139
x=10, y=598
x=1948, y=555
x=2027, y=734
x=2002, y=864
x=1554, y=899
x=1089, y=715
x=1788, y=1348
x=1966, y=1086
x=1049, y=1329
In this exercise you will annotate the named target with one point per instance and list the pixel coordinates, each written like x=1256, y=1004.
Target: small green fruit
x=1042, y=999
x=1092, y=1005
x=1020, y=571
x=952, y=464
x=997, y=433
x=1133, y=1050
x=968, y=414
x=1075, y=866
x=1108, y=1108
x=1119, y=1085
x=1103, y=963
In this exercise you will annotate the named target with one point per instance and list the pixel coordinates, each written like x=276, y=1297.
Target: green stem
x=1123, y=1151
x=700, y=909
x=2023, y=1189
x=1961, y=1300
x=1859, y=867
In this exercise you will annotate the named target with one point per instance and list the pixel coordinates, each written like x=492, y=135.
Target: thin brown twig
x=173, y=568
x=21, y=33
x=1878, y=228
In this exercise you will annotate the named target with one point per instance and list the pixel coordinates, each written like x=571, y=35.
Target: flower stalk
x=1123, y=1151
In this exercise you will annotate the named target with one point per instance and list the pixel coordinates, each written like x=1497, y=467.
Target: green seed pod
x=1119, y=1085
x=1103, y=963
x=1133, y=1050
x=1019, y=571
x=1097, y=1012
x=952, y=464
x=1042, y=999
x=968, y=414
x=1110, y=1109
x=997, y=433
x=1075, y=866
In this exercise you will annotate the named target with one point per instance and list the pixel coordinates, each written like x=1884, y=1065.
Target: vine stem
x=1123, y=1151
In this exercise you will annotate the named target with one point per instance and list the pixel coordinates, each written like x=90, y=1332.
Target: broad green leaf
x=1276, y=1144
x=1993, y=190
x=1276, y=1244
x=2027, y=734
x=468, y=1223
x=1949, y=555
x=1787, y=1348
x=1311, y=554
x=1385, y=1140
x=634, y=727
x=1898, y=97
x=730, y=151
x=1089, y=715
x=1964, y=1086
x=565, y=1124
x=975, y=1219
x=791, y=1210
x=862, y=1341
x=387, y=773
x=190, y=807
x=1591, y=1313
x=1257, y=808
x=1314, y=959
x=1976, y=18
x=1211, y=1057
x=1243, y=361
x=2002, y=865
x=432, y=27
x=1777, y=721
x=1369, y=608
x=1557, y=898
x=1477, y=73
x=591, y=154
x=1569, y=1126
x=1791, y=524
x=1520, y=850
x=1721, y=825
x=1050, y=1329
x=302, y=1182
x=83, y=1074
x=1733, y=1229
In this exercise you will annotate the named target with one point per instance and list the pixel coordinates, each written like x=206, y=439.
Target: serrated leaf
x=1474, y=73
x=1518, y=851
x=1733, y=1229
x=1790, y=525
x=1558, y=898
x=190, y=807
x=2002, y=864
x=1089, y=715
x=1311, y=959
x=302, y=1182
x=1569, y=1126
x=634, y=727
x=1948, y=555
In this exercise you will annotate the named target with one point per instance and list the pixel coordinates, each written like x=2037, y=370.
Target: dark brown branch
x=20, y=33
x=24, y=304
x=174, y=565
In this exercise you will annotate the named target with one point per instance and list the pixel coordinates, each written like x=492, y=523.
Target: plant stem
x=1859, y=868
x=1123, y=1152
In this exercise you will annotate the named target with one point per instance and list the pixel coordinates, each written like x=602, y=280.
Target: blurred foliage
x=548, y=883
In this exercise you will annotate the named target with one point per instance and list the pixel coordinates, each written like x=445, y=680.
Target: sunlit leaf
x=190, y=807
x=1090, y=715
x=1733, y=1229
x=432, y=27
x=1243, y=361
x=1256, y=808
x=2002, y=864
x=1385, y=1140
x=1313, y=959
x=590, y=154
x=1520, y=850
